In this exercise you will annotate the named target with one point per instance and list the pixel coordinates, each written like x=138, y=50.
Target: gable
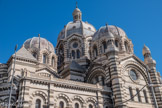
x=46, y=73
x=23, y=53
x=133, y=62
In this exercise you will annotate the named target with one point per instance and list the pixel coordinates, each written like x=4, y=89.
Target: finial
x=107, y=29
x=106, y=24
x=16, y=47
x=76, y=4
x=38, y=35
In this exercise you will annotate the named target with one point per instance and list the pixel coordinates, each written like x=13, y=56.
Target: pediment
x=74, y=35
x=45, y=72
x=133, y=58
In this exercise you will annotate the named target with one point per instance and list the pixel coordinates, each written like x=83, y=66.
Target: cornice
x=69, y=84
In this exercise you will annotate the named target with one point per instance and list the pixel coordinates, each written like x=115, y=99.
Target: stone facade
x=90, y=69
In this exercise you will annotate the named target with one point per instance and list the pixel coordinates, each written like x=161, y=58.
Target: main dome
x=114, y=30
x=38, y=42
x=77, y=27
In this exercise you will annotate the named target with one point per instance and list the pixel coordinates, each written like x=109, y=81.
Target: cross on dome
x=76, y=4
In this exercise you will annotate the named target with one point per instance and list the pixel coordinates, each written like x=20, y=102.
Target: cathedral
x=88, y=68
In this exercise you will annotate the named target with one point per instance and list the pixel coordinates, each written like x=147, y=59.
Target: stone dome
x=111, y=29
x=76, y=10
x=146, y=50
x=33, y=43
x=77, y=27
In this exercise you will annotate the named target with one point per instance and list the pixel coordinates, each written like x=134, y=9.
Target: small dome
x=76, y=10
x=77, y=27
x=111, y=29
x=33, y=43
x=146, y=50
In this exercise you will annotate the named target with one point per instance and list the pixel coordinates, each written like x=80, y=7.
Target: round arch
x=137, y=66
x=96, y=72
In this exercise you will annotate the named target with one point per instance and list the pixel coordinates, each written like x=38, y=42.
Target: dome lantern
x=77, y=14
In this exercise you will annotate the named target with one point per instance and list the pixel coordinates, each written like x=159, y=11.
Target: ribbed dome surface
x=111, y=29
x=33, y=43
x=77, y=27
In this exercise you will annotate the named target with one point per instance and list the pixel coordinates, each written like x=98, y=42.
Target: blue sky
x=23, y=19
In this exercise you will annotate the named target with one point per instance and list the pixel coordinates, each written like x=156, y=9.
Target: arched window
x=78, y=54
x=73, y=54
x=38, y=103
x=60, y=54
x=126, y=46
x=97, y=79
x=35, y=54
x=116, y=43
x=104, y=46
x=90, y=106
x=76, y=105
x=53, y=61
x=44, y=58
x=131, y=93
x=95, y=51
x=61, y=105
x=138, y=95
x=103, y=81
x=145, y=95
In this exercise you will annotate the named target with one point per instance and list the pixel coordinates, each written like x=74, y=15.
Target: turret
x=155, y=76
x=147, y=57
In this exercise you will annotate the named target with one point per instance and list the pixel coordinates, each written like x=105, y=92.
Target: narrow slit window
x=76, y=105
x=38, y=103
x=78, y=54
x=53, y=61
x=145, y=95
x=138, y=95
x=61, y=105
x=131, y=93
x=44, y=58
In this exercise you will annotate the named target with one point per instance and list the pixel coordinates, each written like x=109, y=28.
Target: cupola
x=77, y=14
